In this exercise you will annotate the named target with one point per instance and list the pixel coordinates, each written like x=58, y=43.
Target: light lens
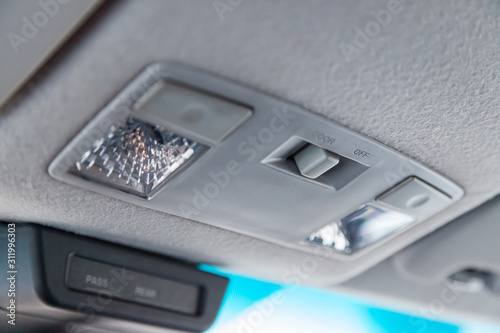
x=361, y=228
x=202, y=114
x=136, y=157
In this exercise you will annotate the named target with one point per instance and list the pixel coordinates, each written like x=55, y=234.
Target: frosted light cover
x=361, y=228
x=208, y=116
x=136, y=157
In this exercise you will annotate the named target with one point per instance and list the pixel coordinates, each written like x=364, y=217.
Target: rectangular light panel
x=210, y=117
x=361, y=228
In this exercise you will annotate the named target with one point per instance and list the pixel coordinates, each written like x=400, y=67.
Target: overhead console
x=187, y=143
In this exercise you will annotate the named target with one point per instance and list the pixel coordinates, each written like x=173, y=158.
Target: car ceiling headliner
x=426, y=85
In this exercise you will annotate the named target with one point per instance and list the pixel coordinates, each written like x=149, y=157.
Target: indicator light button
x=415, y=196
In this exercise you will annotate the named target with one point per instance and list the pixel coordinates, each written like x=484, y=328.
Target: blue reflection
x=304, y=309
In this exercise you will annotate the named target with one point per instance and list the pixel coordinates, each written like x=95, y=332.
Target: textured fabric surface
x=416, y=277
x=425, y=84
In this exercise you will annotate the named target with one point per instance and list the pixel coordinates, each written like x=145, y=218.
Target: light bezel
x=349, y=245
x=132, y=185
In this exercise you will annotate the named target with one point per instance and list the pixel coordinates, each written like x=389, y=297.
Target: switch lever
x=314, y=161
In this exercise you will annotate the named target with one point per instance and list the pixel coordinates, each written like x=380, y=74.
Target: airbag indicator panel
x=101, y=284
x=98, y=278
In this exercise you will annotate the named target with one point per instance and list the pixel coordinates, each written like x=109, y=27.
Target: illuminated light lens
x=361, y=228
x=136, y=157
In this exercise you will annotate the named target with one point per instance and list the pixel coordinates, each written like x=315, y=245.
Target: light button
x=415, y=196
x=314, y=161
x=200, y=113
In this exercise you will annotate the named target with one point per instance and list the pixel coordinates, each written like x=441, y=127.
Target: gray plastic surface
x=206, y=115
x=314, y=161
x=240, y=174
x=335, y=179
x=415, y=196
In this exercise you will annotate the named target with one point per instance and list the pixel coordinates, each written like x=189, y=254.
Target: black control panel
x=83, y=281
x=124, y=284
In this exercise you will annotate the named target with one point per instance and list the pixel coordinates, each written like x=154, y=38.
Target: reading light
x=361, y=228
x=136, y=157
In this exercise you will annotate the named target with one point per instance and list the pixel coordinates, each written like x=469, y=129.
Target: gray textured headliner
x=19, y=58
x=415, y=279
x=427, y=85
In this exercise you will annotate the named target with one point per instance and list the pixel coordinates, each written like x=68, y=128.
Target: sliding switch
x=314, y=161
